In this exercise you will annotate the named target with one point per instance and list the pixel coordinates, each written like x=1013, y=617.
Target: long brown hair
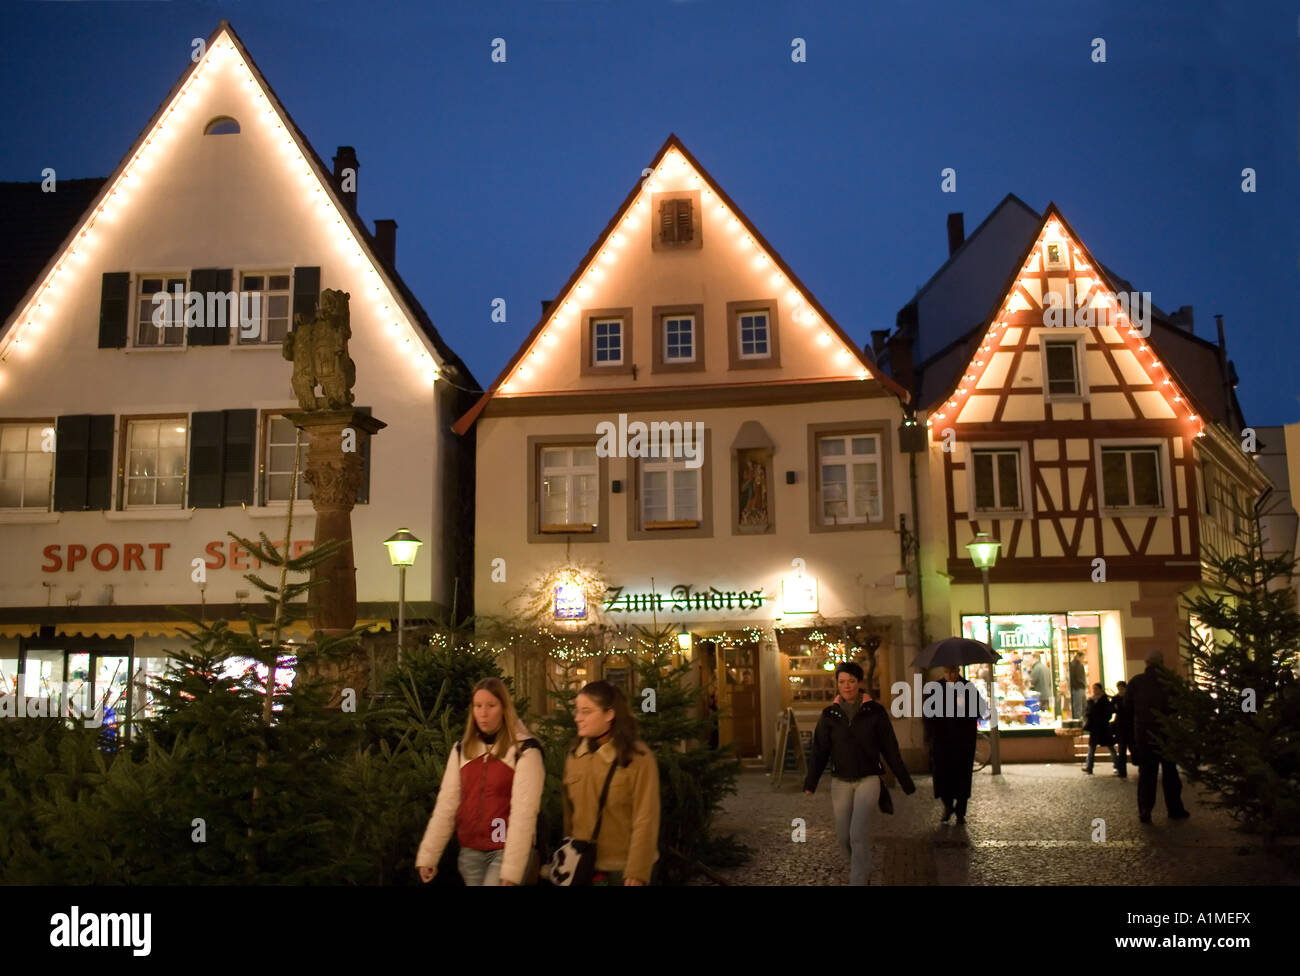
x=509, y=718
x=623, y=728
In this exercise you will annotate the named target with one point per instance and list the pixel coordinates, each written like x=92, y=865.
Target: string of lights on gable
x=585, y=291
x=1019, y=300
x=179, y=116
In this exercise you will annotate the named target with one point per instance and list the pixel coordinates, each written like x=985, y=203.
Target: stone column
x=334, y=473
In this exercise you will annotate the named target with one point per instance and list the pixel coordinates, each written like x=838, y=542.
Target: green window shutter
x=306, y=291
x=202, y=281
x=72, y=442
x=363, y=490
x=207, y=442
x=99, y=463
x=240, y=457
x=223, y=279
x=114, y=307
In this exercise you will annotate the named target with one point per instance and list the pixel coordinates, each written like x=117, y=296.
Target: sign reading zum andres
x=682, y=597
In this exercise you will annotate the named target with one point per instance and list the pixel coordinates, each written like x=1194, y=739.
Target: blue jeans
x=853, y=802
x=1078, y=701
x=480, y=867
x=1093, y=743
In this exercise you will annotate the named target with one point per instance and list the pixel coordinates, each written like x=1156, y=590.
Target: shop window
x=809, y=678
x=155, y=452
x=274, y=294
x=280, y=438
x=1062, y=368
x=169, y=329
x=569, y=489
x=26, y=467
x=997, y=480
x=849, y=478
x=1131, y=477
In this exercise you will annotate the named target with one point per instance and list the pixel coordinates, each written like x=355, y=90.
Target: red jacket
x=485, y=787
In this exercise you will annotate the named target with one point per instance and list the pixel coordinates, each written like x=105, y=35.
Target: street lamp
x=984, y=553
x=402, y=547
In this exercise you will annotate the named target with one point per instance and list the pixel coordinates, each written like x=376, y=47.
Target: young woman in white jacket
x=489, y=796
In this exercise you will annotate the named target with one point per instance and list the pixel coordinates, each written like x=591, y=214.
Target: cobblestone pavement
x=1032, y=825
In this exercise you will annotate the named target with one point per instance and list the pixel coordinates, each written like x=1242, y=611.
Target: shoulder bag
x=574, y=861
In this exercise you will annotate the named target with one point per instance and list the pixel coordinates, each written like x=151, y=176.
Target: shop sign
x=681, y=598
x=570, y=602
x=1030, y=634
x=108, y=556
x=799, y=595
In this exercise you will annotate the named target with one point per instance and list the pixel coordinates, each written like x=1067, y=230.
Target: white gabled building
x=168, y=438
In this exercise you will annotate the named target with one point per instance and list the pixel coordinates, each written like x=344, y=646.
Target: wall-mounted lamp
x=789, y=477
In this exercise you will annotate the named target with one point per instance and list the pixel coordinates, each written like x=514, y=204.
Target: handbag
x=574, y=861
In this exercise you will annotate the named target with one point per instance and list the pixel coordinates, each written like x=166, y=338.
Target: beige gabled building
x=765, y=532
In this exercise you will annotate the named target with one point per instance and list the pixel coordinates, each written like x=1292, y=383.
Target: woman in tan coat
x=628, y=844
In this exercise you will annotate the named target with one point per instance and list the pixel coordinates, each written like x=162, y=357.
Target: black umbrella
x=954, y=652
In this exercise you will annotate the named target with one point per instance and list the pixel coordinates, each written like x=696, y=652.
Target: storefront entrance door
x=740, y=684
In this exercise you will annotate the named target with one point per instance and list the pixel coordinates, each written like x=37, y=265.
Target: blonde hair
x=509, y=718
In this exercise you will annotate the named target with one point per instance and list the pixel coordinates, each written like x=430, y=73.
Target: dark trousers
x=1120, y=753
x=957, y=803
x=1148, y=768
x=1093, y=743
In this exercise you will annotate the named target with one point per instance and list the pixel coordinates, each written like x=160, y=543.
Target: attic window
x=1055, y=252
x=675, y=222
x=222, y=125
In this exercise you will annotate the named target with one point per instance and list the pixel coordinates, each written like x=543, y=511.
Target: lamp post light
x=402, y=547
x=984, y=553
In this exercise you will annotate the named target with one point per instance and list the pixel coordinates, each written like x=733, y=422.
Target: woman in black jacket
x=1097, y=725
x=854, y=734
x=952, y=743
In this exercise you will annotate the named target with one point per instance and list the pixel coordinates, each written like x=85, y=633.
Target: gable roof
x=95, y=194
x=1173, y=389
x=1198, y=366
x=868, y=368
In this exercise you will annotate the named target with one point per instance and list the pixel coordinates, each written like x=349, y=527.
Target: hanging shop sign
x=681, y=598
x=570, y=602
x=799, y=595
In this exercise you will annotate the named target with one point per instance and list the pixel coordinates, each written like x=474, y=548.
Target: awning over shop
x=19, y=630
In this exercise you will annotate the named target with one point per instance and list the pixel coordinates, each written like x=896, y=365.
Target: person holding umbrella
x=952, y=743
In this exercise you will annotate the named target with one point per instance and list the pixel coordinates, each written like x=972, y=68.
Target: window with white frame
x=1062, y=368
x=281, y=439
x=155, y=463
x=160, y=322
x=26, y=470
x=670, y=492
x=271, y=307
x=997, y=480
x=607, y=342
x=679, y=339
x=1131, y=477
x=755, y=339
x=570, y=487
x=849, y=472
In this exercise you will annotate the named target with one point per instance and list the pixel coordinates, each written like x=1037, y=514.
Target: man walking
x=1122, y=728
x=1078, y=685
x=1149, y=697
x=1097, y=725
x=853, y=734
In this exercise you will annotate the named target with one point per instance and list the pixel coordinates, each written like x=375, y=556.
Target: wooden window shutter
x=667, y=221
x=306, y=291
x=240, y=457
x=684, y=228
x=99, y=463
x=223, y=281
x=363, y=489
x=207, y=446
x=114, y=309
x=202, y=281
x=71, y=449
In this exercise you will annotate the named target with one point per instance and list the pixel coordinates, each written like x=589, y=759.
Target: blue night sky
x=501, y=175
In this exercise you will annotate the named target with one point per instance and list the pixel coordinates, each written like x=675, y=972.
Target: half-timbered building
x=1095, y=437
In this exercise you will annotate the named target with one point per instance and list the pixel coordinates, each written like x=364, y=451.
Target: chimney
x=956, y=232
x=878, y=338
x=386, y=241
x=1184, y=318
x=546, y=304
x=900, y=361
x=346, y=159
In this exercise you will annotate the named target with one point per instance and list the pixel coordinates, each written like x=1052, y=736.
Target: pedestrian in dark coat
x=1097, y=724
x=952, y=743
x=1149, y=696
x=1122, y=729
